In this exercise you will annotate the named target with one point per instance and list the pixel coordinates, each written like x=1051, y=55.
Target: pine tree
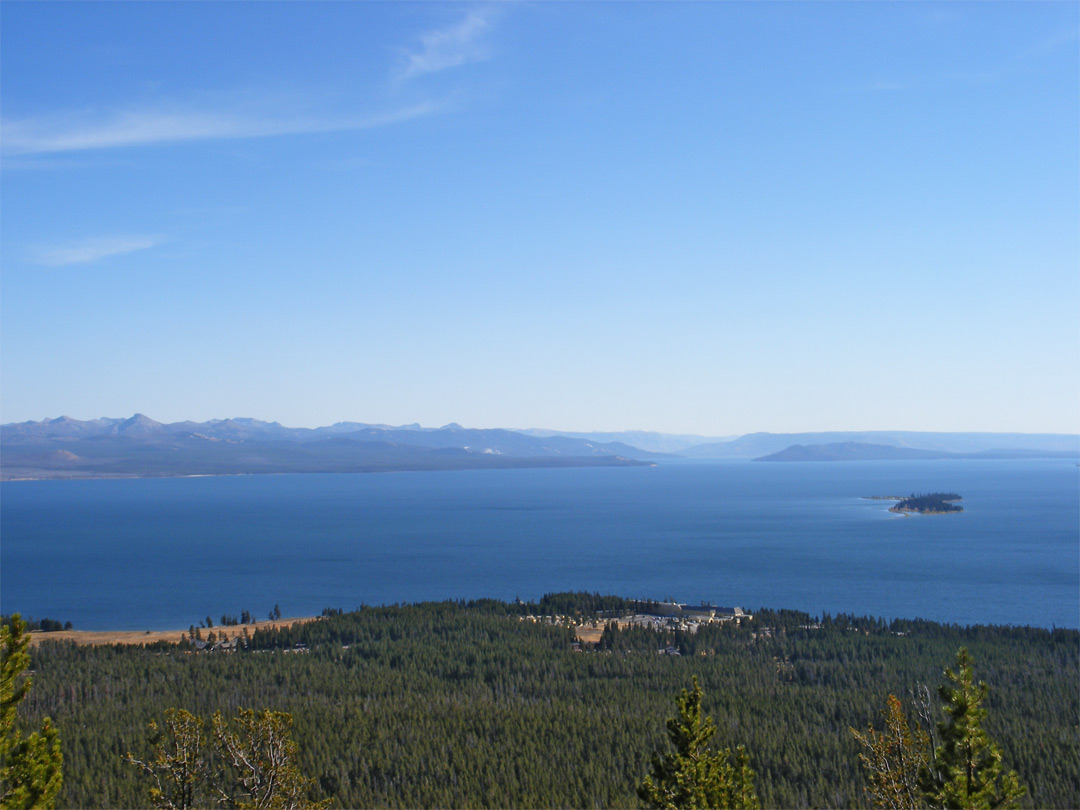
x=692, y=778
x=262, y=756
x=31, y=768
x=179, y=766
x=249, y=769
x=966, y=772
x=894, y=760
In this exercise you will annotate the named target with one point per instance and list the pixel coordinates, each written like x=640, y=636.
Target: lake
x=165, y=553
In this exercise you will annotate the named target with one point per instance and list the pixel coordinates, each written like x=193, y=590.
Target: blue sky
x=688, y=217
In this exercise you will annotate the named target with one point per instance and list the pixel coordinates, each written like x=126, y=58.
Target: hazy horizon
x=706, y=218
x=520, y=428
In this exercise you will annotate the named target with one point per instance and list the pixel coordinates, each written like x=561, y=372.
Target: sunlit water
x=162, y=553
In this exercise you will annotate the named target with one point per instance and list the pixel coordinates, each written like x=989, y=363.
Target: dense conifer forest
x=473, y=704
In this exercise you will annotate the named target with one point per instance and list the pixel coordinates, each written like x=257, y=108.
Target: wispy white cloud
x=91, y=250
x=450, y=47
x=23, y=141
x=74, y=133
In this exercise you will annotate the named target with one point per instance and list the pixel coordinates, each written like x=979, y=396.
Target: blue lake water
x=163, y=553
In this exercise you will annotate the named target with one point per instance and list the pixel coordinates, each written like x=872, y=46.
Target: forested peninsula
x=495, y=704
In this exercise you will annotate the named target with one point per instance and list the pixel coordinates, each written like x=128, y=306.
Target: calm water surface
x=161, y=553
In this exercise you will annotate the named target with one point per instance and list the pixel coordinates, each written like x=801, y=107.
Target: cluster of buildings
x=222, y=645
x=687, y=618
x=660, y=616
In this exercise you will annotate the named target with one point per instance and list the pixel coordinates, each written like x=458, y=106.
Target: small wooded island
x=933, y=503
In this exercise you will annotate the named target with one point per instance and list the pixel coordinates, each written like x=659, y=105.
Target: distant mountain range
x=139, y=446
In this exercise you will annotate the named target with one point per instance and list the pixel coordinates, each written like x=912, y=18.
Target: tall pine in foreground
x=692, y=778
x=31, y=767
x=966, y=770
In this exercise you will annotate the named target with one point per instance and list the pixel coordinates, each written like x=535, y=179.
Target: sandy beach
x=97, y=637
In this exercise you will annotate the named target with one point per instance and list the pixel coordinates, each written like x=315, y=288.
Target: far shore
x=99, y=637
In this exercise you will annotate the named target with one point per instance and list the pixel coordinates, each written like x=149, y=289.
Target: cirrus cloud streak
x=450, y=47
x=75, y=133
x=91, y=250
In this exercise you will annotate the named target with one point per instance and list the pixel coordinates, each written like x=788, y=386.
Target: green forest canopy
x=456, y=704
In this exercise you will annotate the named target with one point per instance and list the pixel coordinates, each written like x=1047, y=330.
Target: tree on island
x=31, y=767
x=933, y=503
x=692, y=778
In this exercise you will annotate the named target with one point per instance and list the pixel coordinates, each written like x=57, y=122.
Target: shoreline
x=96, y=638
x=898, y=511
x=617, y=461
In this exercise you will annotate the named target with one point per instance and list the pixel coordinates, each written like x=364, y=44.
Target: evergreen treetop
x=693, y=778
x=966, y=771
x=31, y=767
